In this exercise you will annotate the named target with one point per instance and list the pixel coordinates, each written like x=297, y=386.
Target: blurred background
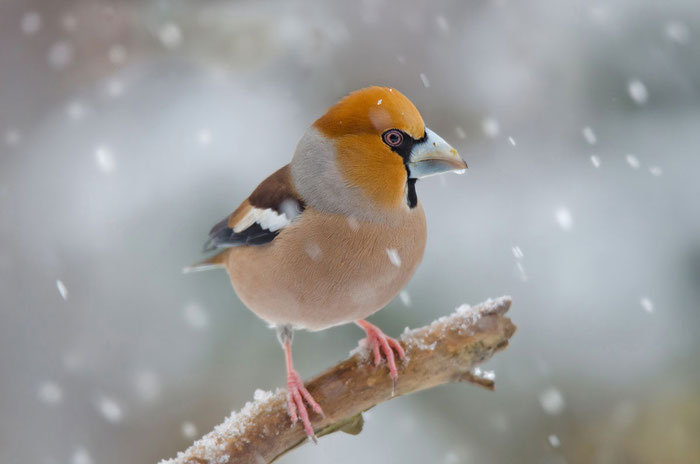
x=129, y=128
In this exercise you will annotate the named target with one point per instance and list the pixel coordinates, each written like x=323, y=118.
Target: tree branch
x=445, y=351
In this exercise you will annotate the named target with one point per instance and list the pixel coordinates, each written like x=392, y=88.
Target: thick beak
x=433, y=156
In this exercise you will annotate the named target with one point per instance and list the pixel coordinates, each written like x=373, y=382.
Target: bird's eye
x=393, y=138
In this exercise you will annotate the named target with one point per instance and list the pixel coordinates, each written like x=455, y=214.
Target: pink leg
x=380, y=342
x=297, y=392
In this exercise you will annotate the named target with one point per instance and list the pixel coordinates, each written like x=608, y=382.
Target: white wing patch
x=268, y=219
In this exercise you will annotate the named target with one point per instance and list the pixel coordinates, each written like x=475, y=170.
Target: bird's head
x=373, y=141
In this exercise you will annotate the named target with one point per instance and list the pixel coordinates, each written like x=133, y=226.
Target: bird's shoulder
x=273, y=205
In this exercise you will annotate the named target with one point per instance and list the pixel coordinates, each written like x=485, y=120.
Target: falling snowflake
x=554, y=441
x=595, y=160
x=147, y=385
x=76, y=110
x=405, y=298
x=105, y=159
x=109, y=409
x=31, y=23
x=313, y=250
x=117, y=54
x=511, y=140
x=517, y=252
x=491, y=127
x=442, y=23
x=114, y=88
x=424, y=79
x=394, y=257
x=189, y=430
x=647, y=304
x=564, y=218
x=552, y=401
x=204, y=137
x=50, y=393
x=12, y=137
x=460, y=132
x=633, y=161
x=61, y=54
x=677, y=32
x=62, y=289
x=655, y=171
x=379, y=102
x=196, y=317
x=637, y=91
x=81, y=456
x=589, y=135
x=170, y=35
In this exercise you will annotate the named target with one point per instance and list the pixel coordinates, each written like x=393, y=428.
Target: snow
x=488, y=375
x=31, y=23
x=61, y=54
x=114, y=88
x=677, y=32
x=196, y=317
x=405, y=298
x=633, y=161
x=69, y=23
x=170, y=35
x=105, y=159
x=589, y=135
x=491, y=127
x=212, y=444
x=442, y=23
x=552, y=401
x=379, y=102
x=76, y=110
x=12, y=137
x=109, y=409
x=353, y=223
x=517, y=252
x=204, y=137
x=62, y=289
x=424, y=79
x=394, y=257
x=81, y=456
x=554, y=441
x=564, y=218
x=451, y=458
x=655, y=171
x=647, y=304
x=460, y=132
x=147, y=385
x=595, y=160
x=511, y=140
x=637, y=91
x=50, y=393
x=189, y=430
x=117, y=54
x=313, y=250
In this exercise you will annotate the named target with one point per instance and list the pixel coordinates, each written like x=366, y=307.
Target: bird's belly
x=324, y=271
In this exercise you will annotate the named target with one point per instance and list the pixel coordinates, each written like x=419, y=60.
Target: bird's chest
x=330, y=270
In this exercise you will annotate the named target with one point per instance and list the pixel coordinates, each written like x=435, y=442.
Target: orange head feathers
x=365, y=154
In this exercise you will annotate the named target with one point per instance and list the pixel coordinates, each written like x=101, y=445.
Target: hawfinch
x=333, y=236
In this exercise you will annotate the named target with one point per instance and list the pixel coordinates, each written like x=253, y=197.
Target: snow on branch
x=445, y=351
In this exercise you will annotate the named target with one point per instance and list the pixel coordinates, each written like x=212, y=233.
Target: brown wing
x=272, y=205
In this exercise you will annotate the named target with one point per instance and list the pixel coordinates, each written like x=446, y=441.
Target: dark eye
x=393, y=138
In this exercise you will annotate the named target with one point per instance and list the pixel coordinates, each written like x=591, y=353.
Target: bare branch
x=442, y=352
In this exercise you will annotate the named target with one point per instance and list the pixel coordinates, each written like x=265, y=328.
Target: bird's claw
x=296, y=395
x=381, y=344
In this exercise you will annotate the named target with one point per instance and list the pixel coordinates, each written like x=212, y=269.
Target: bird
x=333, y=236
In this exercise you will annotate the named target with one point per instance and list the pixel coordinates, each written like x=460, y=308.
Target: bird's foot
x=381, y=344
x=296, y=394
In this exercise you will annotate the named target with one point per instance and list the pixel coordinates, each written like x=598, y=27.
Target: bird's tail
x=218, y=261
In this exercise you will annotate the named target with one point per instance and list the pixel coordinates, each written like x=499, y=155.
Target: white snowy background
x=128, y=128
